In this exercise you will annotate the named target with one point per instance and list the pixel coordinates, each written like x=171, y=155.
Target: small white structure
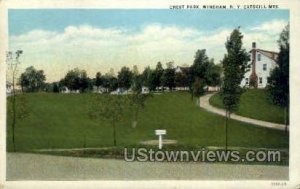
x=119, y=91
x=145, y=90
x=8, y=87
x=160, y=133
x=66, y=90
x=99, y=89
x=213, y=88
x=262, y=62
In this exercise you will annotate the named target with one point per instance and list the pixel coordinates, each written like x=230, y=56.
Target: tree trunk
x=134, y=124
x=226, y=123
x=135, y=115
x=286, y=118
x=114, y=134
x=14, y=115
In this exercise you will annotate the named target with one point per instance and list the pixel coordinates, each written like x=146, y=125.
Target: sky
x=57, y=40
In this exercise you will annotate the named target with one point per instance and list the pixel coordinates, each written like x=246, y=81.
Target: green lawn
x=61, y=121
x=254, y=103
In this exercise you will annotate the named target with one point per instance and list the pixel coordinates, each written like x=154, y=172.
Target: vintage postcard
x=149, y=94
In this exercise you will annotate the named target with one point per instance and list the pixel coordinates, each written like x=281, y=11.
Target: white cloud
x=272, y=26
x=99, y=49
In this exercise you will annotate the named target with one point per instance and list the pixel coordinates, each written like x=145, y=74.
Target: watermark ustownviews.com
x=202, y=155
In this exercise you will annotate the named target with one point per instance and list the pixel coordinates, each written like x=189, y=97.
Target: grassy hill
x=256, y=104
x=61, y=121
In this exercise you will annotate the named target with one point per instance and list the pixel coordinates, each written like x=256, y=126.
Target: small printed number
x=278, y=183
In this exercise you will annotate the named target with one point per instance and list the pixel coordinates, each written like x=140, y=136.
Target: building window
x=260, y=80
x=258, y=57
x=264, y=67
x=247, y=81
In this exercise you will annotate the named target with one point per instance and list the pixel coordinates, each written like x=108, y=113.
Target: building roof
x=270, y=54
x=183, y=69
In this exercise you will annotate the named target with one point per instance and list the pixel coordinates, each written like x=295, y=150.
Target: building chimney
x=253, y=75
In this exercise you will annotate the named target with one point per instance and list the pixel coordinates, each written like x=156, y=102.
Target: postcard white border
x=294, y=168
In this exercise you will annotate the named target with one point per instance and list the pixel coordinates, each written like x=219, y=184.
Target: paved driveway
x=204, y=103
x=22, y=166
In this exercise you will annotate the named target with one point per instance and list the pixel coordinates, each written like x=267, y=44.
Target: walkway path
x=22, y=166
x=204, y=103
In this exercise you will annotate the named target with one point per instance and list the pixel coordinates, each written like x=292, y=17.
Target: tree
x=213, y=74
x=137, y=80
x=137, y=101
x=278, y=83
x=153, y=78
x=55, y=87
x=199, y=69
x=168, y=77
x=110, y=108
x=182, y=76
x=48, y=87
x=200, y=65
x=148, y=77
x=235, y=66
x=125, y=78
x=32, y=80
x=181, y=79
x=76, y=80
x=198, y=89
x=17, y=106
x=98, y=80
x=158, y=75
x=110, y=82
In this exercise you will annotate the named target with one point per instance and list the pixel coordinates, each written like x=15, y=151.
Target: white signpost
x=160, y=133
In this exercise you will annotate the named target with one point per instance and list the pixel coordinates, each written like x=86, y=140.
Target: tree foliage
x=204, y=72
x=181, y=79
x=148, y=77
x=235, y=65
x=137, y=102
x=98, y=80
x=213, y=74
x=125, y=78
x=278, y=83
x=198, y=87
x=110, y=82
x=200, y=66
x=76, y=80
x=168, y=76
x=158, y=75
x=137, y=80
x=110, y=108
x=32, y=80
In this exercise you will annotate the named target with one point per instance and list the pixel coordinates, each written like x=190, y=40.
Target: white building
x=66, y=90
x=121, y=91
x=262, y=62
